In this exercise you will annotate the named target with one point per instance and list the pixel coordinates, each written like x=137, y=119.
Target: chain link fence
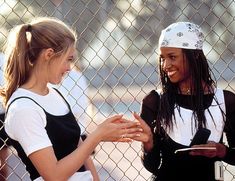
x=117, y=56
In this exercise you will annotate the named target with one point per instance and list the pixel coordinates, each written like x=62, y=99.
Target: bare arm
x=89, y=164
x=111, y=129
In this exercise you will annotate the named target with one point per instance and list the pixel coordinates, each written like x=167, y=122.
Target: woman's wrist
x=147, y=146
x=97, y=134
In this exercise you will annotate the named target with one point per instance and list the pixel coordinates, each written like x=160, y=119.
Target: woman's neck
x=36, y=87
x=187, y=89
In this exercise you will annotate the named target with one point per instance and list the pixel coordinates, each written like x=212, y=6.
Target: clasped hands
x=119, y=129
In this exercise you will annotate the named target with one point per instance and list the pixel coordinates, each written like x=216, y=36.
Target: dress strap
x=26, y=97
x=23, y=97
x=63, y=98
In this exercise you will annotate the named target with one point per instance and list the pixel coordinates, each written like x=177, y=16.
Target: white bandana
x=182, y=35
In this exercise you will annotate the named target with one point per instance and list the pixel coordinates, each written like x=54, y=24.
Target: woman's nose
x=69, y=67
x=166, y=64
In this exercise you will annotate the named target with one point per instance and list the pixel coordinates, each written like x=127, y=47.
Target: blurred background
x=117, y=64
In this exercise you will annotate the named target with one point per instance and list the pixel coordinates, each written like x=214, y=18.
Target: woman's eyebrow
x=168, y=54
x=71, y=56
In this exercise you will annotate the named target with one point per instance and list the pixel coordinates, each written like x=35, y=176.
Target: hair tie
x=29, y=28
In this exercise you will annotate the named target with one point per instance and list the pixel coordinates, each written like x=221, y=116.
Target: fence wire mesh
x=117, y=64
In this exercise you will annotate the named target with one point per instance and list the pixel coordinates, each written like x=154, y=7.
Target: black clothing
x=168, y=166
x=64, y=133
x=4, y=140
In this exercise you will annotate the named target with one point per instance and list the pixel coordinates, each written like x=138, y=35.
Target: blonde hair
x=24, y=45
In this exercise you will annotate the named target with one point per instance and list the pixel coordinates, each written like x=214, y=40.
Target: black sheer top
x=166, y=166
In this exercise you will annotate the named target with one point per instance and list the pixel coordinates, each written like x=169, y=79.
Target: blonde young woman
x=39, y=120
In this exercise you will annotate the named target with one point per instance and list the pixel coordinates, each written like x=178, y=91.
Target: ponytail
x=18, y=65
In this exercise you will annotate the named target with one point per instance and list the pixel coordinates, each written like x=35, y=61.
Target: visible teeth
x=171, y=73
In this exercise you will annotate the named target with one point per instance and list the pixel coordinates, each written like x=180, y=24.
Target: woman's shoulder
x=154, y=93
x=152, y=98
x=16, y=96
x=228, y=93
x=229, y=98
x=23, y=98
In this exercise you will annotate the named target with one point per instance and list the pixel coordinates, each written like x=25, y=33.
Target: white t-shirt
x=183, y=130
x=26, y=121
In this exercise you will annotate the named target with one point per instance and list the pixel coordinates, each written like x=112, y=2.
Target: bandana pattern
x=182, y=35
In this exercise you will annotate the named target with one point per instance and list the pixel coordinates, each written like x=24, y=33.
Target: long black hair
x=199, y=72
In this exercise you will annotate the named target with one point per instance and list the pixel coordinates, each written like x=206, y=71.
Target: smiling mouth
x=65, y=74
x=171, y=73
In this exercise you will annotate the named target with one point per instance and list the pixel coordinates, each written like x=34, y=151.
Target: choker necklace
x=185, y=91
x=188, y=91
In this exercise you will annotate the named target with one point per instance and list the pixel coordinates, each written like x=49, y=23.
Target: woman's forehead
x=169, y=50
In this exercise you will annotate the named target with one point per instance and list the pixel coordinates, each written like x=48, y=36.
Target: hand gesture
x=146, y=134
x=116, y=128
x=219, y=151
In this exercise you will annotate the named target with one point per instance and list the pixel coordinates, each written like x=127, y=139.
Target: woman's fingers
x=142, y=122
x=219, y=150
x=117, y=128
x=130, y=131
x=207, y=153
x=115, y=118
x=124, y=130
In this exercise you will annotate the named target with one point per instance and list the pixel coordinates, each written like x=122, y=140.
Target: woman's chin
x=55, y=82
x=174, y=81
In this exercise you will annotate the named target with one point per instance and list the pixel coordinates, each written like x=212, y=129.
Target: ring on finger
x=123, y=136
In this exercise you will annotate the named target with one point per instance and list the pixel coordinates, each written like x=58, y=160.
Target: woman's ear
x=48, y=53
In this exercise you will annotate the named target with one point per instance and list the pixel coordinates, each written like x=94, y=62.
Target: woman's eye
x=172, y=57
x=71, y=60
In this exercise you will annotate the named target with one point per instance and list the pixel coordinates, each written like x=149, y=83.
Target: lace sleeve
x=149, y=108
x=151, y=160
x=230, y=126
